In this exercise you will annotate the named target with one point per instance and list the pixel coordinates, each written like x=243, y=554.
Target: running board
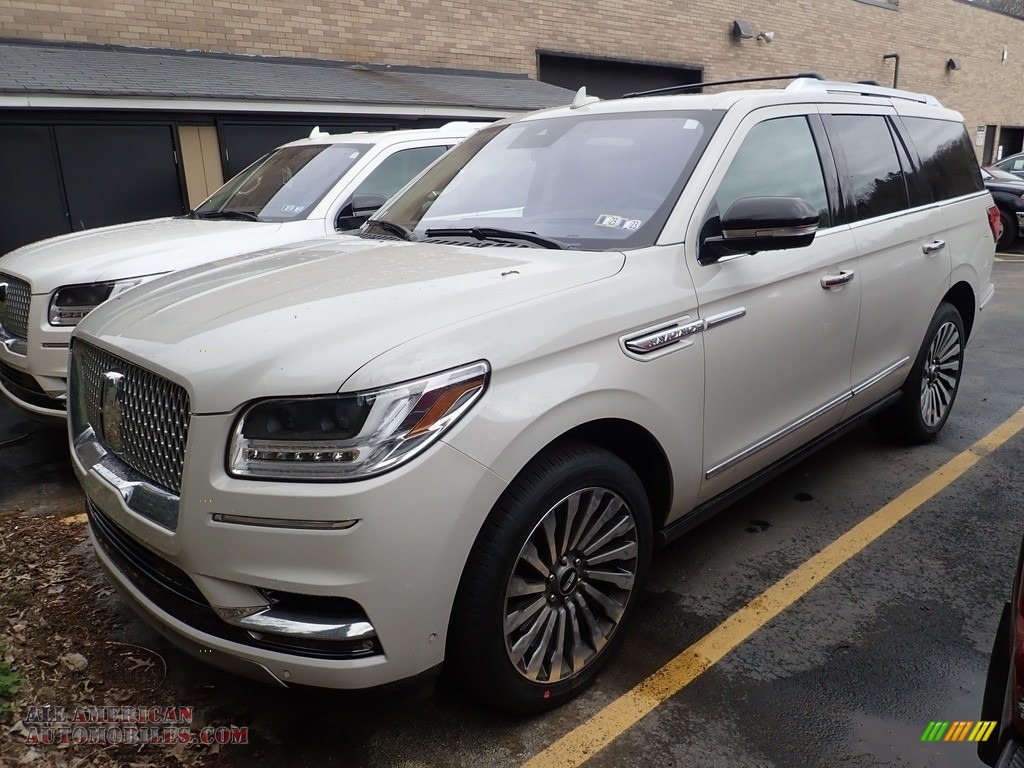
x=709, y=508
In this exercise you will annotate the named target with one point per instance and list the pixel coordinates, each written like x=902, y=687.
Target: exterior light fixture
x=742, y=30
x=954, y=64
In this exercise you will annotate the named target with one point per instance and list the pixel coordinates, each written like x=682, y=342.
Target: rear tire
x=1010, y=231
x=555, y=575
x=933, y=382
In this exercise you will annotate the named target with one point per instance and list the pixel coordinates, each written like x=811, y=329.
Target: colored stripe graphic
x=958, y=730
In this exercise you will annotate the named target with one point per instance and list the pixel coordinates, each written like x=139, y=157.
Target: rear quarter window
x=949, y=167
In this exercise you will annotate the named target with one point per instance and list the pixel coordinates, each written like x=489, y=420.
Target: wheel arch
x=961, y=296
x=638, y=448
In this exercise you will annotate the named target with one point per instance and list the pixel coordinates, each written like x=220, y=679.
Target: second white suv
x=580, y=334
x=302, y=190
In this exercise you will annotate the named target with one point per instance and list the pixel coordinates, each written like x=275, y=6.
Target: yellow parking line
x=590, y=737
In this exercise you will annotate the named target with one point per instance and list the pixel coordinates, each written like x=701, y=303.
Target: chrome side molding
x=669, y=333
x=804, y=420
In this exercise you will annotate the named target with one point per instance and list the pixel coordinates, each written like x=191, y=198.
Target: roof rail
x=691, y=86
x=809, y=85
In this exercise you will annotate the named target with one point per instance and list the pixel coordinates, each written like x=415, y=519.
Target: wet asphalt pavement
x=849, y=675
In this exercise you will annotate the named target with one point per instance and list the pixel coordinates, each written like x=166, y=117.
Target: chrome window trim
x=804, y=420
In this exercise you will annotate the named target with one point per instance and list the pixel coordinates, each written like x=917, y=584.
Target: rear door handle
x=833, y=281
x=933, y=247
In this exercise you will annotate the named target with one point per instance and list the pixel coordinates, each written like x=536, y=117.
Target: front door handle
x=834, y=281
x=933, y=247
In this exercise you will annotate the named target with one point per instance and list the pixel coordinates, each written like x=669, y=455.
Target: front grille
x=14, y=310
x=156, y=414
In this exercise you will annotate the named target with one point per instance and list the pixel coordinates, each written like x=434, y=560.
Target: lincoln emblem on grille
x=3, y=293
x=112, y=410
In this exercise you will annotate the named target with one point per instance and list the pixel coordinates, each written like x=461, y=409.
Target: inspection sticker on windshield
x=293, y=208
x=618, y=222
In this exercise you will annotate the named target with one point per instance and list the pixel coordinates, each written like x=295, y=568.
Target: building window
x=892, y=5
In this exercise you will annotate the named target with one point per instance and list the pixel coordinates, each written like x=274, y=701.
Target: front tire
x=933, y=382
x=555, y=575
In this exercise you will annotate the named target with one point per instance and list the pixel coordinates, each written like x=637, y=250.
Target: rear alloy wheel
x=931, y=387
x=555, y=574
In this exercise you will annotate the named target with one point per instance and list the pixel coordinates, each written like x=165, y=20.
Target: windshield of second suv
x=591, y=181
x=283, y=186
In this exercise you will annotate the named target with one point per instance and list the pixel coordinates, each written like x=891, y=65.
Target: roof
x=80, y=69
x=453, y=130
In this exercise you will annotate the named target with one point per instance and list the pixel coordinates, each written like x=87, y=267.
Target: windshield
x=998, y=173
x=592, y=182
x=283, y=186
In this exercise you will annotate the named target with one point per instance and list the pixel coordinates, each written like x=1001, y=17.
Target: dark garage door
x=31, y=206
x=64, y=177
x=118, y=173
x=610, y=78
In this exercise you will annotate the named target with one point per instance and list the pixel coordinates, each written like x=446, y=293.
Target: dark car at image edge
x=1003, y=700
x=1007, y=191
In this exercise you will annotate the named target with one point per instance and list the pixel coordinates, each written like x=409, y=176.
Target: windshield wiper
x=491, y=233
x=391, y=228
x=242, y=215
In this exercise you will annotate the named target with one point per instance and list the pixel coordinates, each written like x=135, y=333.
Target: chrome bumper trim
x=291, y=624
x=106, y=476
x=16, y=345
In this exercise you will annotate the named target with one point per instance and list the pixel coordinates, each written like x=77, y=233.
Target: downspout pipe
x=896, y=68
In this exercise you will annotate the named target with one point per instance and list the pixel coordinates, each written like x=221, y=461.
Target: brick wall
x=840, y=38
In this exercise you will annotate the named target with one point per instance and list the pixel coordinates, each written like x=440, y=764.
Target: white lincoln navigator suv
x=306, y=189
x=572, y=338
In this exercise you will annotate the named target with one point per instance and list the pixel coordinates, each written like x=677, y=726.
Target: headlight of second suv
x=70, y=303
x=351, y=436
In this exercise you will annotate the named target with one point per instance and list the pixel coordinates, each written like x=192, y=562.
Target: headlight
x=73, y=302
x=351, y=436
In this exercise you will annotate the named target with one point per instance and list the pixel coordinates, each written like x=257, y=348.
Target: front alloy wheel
x=570, y=585
x=555, y=574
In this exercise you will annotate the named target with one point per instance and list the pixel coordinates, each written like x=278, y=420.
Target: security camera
x=766, y=36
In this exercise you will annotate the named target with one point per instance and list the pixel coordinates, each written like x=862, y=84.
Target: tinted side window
x=874, y=180
x=398, y=170
x=948, y=165
x=777, y=159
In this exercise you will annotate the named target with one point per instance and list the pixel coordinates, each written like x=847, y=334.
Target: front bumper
x=33, y=371
x=394, y=573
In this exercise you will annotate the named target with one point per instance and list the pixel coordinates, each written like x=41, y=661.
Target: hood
x=134, y=250
x=300, y=322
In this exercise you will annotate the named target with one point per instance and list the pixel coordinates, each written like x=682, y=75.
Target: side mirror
x=755, y=224
x=357, y=210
